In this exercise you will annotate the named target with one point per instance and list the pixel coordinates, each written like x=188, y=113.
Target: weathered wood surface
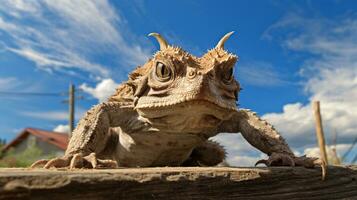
x=179, y=183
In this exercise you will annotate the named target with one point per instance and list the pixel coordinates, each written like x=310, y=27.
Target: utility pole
x=335, y=159
x=319, y=131
x=71, y=108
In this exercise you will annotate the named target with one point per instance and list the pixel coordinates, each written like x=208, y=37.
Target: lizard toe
x=57, y=163
x=108, y=164
x=76, y=161
x=39, y=163
x=311, y=162
x=287, y=160
x=92, y=159
x=278, y=159
x=94, y=162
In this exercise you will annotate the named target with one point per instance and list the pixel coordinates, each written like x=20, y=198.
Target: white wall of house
x=46, y=148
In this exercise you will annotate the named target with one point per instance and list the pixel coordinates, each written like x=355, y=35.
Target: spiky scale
x=135, y=132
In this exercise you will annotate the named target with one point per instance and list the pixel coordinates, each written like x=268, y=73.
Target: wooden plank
x=179, y=183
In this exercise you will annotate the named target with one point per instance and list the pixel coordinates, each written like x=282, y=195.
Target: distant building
x=48, y=142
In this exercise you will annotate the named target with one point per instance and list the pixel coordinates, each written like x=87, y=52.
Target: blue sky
x=290, y=53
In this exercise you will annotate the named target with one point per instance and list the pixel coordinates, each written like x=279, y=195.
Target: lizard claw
x=262, y=161
x=56, y=162
x=311, y=163
x=39, y=163
x=277, y=159
x=99, y=163
x=281, y=159
x=76, y=161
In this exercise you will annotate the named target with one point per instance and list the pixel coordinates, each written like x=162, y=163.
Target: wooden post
x=71, y=109
x=319, y=131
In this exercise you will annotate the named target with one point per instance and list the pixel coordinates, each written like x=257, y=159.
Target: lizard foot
x=76, y=161
x=281, y=159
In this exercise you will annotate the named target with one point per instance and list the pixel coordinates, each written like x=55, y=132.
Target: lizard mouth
x=210, y=111
x=167, y=102
x=195, y=116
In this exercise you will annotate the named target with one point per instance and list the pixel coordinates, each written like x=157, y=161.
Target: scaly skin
x=263, y=136
x=166, y=112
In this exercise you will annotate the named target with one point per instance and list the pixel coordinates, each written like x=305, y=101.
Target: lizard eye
x=162, y=71
x=228, y=75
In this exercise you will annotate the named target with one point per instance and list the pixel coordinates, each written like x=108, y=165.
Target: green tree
x=23, y=159
x=2, y=144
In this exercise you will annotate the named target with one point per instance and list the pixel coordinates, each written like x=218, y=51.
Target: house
x=48, y=142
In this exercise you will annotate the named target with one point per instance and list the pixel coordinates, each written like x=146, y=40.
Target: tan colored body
x=165, y=114
x=155, y=149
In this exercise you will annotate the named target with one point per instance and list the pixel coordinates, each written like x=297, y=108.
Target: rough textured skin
x=165, y=114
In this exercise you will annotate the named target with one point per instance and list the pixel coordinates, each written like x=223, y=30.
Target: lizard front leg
x=89, y=138
x=262, y=135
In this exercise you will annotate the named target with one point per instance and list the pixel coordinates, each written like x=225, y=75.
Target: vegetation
x=2, y=144
x=23, y=159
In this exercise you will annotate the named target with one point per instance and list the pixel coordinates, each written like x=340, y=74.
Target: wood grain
x=179, y=183
x=320, y=131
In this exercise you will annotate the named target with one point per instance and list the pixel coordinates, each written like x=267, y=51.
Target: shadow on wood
x=179, y=183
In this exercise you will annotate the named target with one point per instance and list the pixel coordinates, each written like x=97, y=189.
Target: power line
x=354, y=159
x=350, y=150
x=5, y=93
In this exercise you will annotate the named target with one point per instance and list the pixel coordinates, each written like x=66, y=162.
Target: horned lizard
x=165, y=113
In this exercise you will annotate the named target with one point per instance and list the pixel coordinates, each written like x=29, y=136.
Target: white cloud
x=40, y=58
x=244, y=161
x=49, y=115
x=295, y=123
x=69, y=34
x=236, y=142
x=331, y=77
x=239, y=151
x=315, y=152
x=61, y=128
x=17, y=8
x=260, y=74
x=7, y=83
x=53, y=115
x=103, y=89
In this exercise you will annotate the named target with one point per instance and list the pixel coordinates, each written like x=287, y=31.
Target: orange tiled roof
x=58, y=139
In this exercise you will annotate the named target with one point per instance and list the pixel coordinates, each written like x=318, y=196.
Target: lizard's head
x=174, y=84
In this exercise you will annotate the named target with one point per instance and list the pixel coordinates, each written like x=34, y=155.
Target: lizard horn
x=160, y=39
x=220, y=44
